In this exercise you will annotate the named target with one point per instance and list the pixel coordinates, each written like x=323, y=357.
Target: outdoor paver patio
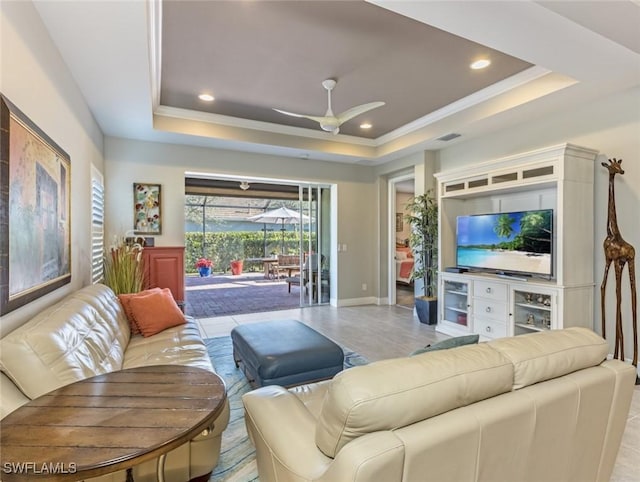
x=226, y=294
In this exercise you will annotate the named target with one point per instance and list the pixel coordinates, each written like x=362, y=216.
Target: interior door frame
x=391, y=223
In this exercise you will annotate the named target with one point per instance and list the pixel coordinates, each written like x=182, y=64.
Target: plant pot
x=204, y=272
x=236, y=267
x=427, y=310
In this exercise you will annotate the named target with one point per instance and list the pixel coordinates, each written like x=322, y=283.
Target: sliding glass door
x=315, y=244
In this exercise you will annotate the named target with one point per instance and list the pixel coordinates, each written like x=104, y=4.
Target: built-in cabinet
x=495, y=308
x=559, y=178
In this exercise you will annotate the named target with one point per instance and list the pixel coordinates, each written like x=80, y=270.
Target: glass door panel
x=315, y=202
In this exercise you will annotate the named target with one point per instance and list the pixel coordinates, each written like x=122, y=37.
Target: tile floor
x=405, y=295
x=380, y=332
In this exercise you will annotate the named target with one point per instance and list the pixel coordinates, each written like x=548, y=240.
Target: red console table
x=164, y=268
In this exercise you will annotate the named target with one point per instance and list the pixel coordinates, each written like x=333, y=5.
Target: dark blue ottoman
x=284, y=352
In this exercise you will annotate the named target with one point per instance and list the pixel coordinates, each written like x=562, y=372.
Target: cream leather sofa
x=543, y=407
x=87, y=334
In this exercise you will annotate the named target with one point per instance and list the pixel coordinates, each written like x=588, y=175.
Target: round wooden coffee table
x=108, y=423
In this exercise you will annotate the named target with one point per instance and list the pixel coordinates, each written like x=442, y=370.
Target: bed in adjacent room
x=404, y=264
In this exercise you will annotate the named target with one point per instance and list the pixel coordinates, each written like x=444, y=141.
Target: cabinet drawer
x=495, y=310
x=489, y=328
x=490, y=290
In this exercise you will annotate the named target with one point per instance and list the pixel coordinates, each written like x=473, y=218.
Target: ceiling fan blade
x=292, y=114
x=357, y=110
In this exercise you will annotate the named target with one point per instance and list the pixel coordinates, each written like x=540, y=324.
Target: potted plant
x=236, y=267
x=203, y=266
x=422, y=216
x=123, y=265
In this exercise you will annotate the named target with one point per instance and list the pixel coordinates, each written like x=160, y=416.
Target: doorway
x=401, y=289
x=284, y=263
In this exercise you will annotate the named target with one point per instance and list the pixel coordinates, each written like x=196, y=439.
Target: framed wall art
x=35, y=211
x=147, y=208
x=399, y=222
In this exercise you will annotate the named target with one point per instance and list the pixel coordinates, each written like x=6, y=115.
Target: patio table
x=266, y=264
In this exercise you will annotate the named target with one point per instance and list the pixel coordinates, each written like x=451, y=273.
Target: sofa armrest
x=374, y=456
x=312, y=395
x=283, y=431
x=269, y=413
x=11, y=398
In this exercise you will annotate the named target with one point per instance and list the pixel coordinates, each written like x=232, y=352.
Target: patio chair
x=296, y=280
x=289, y=263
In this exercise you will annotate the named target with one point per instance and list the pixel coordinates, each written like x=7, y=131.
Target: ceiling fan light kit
x=330, y=122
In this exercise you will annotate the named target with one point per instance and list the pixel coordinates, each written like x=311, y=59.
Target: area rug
x=237, y=458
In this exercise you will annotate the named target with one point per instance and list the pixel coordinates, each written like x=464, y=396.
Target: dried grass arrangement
x=124, y=266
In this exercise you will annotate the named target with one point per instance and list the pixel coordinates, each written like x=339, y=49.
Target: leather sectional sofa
x=541, y=407
x=87, y=334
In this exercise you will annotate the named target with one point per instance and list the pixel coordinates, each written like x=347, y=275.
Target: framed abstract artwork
x=147, y=208
x=35, y=211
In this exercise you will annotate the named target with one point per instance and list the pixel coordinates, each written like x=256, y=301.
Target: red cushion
x=155, y=312
x=126, y=306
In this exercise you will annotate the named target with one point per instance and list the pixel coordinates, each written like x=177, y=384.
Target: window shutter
x=97, y=226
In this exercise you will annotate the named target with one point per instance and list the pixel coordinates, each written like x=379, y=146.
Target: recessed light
x=206, y=97
x=480, y=64
x=366, y=125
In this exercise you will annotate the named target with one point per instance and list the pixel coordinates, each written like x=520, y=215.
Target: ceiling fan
x=330, y=122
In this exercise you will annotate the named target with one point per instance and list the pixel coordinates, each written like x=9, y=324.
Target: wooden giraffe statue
x=618, y=252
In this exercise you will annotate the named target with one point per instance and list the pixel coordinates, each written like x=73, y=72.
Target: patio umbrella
x=280, y=216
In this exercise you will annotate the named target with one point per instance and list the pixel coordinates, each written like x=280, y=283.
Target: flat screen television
x=518, y=242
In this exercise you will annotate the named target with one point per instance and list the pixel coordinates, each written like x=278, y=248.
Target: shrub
x=223, y=247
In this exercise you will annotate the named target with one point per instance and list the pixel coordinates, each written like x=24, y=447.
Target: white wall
x=35, y=78
x=610, y=125
x=128, y=161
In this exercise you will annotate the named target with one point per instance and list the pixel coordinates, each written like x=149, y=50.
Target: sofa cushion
x=537, y=357
x=179, y=345
x=83, y=335
x=449, y=343
x=389, y=394
x=155, y=311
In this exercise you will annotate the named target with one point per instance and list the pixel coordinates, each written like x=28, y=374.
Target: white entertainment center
x=559, y=178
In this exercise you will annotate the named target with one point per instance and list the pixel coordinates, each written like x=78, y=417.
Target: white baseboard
x=369, y=300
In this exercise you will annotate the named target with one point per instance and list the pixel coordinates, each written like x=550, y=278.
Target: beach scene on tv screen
x=510, y=242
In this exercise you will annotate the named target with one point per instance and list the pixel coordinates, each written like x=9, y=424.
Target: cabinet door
x=164, y=268
x=455, y=303
x=533, y=310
